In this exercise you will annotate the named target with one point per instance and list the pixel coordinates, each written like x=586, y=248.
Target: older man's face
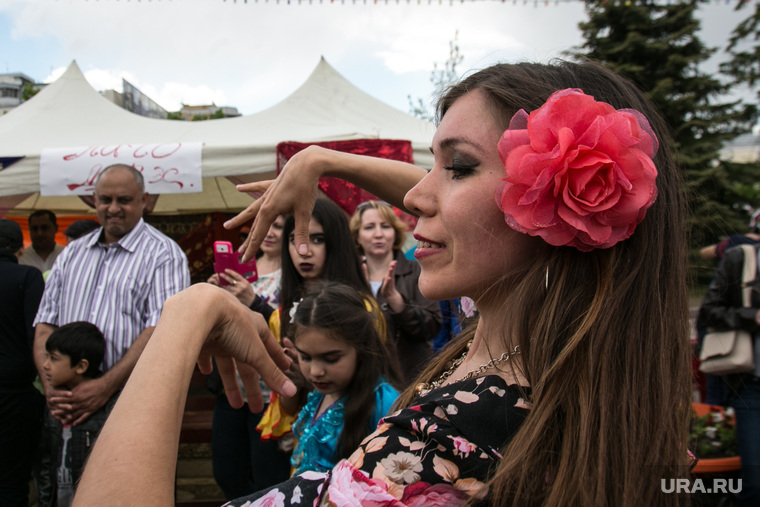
x=119, y=203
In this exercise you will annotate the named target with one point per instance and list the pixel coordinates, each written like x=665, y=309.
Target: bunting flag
x=535, y=3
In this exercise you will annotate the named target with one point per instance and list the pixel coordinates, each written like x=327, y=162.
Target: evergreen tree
x=656, y=45
x=744, y=66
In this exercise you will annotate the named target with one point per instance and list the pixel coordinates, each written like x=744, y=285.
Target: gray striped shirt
x=120, y=289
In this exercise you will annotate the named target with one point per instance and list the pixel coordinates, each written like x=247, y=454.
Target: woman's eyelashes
x=460, y=169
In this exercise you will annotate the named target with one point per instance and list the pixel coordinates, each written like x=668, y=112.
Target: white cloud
x=169, y=95
x=252, y=55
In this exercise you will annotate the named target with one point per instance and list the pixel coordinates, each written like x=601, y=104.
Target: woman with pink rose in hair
x=556, y=205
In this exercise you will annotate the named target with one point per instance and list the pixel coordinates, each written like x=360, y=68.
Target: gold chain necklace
x=425, y=387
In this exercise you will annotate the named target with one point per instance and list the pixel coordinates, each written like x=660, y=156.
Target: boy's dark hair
x=79, y=340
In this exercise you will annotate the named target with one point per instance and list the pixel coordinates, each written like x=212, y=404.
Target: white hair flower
x=293, y=310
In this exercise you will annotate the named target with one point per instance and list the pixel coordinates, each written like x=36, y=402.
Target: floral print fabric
x=437, y=452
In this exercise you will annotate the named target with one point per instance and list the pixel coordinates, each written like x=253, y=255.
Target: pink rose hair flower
x=578, y=172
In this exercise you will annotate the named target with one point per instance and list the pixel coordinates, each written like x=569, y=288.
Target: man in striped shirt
x=116, y=277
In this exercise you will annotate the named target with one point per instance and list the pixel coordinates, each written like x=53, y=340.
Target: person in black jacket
x=413, y=320
x=722, y=309
x=21, y=404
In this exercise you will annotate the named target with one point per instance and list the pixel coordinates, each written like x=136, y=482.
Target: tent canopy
x=70, y=113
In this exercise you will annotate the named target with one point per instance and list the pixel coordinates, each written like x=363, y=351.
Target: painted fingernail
x=289, y=388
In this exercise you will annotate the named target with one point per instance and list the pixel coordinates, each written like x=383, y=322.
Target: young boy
x=74, y=354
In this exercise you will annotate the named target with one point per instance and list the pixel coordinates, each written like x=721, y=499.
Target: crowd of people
x=79, y=332
x=534, y=351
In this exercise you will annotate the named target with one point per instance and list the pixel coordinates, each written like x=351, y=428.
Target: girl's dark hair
x=343, y=313
x=605, y=345
x=79, y=340
x=342, y=263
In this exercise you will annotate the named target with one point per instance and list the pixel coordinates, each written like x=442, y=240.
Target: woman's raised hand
x=236, y=337
x=293, y=192
x=388, y=290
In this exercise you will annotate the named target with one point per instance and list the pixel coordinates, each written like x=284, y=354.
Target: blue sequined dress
x=317, y=437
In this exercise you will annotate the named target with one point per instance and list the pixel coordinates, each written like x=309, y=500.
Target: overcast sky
x=252, y=55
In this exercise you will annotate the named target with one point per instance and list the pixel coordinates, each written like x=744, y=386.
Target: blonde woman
x=412, y=319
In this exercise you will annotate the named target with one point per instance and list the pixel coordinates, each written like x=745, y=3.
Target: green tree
x=174, y=115
x=440, y=79
x=743, y=68
x=656, y=45
x=28, y=91
x=216, y=115
x=744, y=65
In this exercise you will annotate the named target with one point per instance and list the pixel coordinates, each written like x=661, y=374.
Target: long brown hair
x=342, y=263
x=343, y=313
x=605, y=344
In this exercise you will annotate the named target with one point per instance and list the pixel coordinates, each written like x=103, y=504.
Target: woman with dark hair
x=554, y=203
x=330, y=255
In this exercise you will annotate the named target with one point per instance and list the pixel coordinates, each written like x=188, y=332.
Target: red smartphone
x=226, y=258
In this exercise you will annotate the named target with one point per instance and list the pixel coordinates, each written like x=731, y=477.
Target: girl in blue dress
x=341, y=354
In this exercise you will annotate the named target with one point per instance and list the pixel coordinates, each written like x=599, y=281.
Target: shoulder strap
x=748, y=273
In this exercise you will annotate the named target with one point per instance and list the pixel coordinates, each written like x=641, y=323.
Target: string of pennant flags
x=536, y=3
x=514, y=2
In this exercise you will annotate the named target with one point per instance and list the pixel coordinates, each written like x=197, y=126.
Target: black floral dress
x=439, y=451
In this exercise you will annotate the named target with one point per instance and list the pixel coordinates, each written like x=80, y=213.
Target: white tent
x=70, y=113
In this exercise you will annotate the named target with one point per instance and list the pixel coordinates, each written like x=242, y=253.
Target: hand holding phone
x=226, y=258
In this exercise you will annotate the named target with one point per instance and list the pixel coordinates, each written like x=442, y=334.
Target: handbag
x=727, y=352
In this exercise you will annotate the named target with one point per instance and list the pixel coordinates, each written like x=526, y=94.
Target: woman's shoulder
x=466, y=404
x=479, y=391
x=443, y=440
